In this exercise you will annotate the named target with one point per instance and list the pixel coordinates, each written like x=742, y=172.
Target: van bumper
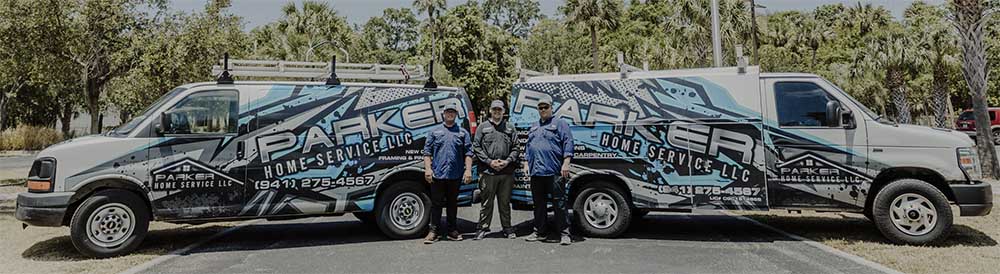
x=42, y=209
x=974, y=199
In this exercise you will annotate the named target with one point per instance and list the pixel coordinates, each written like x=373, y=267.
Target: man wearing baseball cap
x=549, y=151
x=495, y=155
x=446, y=146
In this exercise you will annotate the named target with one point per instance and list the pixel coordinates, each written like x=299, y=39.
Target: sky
x=259, y=12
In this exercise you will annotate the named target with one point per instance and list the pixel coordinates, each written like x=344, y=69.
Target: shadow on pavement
x=157, y=242
x=859, y=229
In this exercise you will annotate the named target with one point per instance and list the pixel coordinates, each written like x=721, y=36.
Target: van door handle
x=239, y=150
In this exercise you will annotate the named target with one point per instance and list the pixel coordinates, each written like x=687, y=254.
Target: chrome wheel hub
x=913, y=214
x=110, y=225
x=406, y=211
x=600, y=210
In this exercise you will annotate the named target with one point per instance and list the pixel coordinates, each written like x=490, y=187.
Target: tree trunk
x=895, y=80
x=969, y=21
x=939, y=103
x=65, y=117
x=3, y=110
x=593, y=48
x=92, y=107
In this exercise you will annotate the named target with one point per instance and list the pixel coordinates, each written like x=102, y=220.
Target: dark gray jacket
x=494, y=142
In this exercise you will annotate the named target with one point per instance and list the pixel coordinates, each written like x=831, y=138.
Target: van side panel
x=320, y=149
x=676, y=142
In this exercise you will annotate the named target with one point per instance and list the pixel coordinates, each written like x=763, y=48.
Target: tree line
x=62, y=57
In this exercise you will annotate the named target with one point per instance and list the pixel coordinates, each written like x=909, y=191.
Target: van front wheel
x=109, y=223
x=911, y=211
x=403, y=211
x=601, y=210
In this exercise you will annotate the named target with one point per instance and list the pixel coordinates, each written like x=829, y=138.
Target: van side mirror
x=164, y=124
x=833, y=114
x=848, y=117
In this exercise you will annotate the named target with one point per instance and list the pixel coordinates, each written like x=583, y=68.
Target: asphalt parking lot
x=704, y=242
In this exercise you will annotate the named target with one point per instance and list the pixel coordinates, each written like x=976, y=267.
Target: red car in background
x=967, y=123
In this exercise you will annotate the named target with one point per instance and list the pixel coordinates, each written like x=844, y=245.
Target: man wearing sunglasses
x=549, y=151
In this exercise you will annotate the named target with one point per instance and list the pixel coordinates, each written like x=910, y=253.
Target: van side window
x=993, y=115
x=800, y=104
x=213, y=112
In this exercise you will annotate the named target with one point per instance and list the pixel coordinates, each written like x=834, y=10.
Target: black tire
x=996, y=136
x=366, y=217
x=404, y=192
x=924, y=196
x=609, y=227
x=117, y=207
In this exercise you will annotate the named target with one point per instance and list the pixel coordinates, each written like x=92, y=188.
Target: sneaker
x=480, y=235
x=431, y=238
x=565, y=240
x=454, y=236
x=533, y=237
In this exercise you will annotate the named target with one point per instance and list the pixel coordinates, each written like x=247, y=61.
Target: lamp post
x=753, y=19
x=716, y=40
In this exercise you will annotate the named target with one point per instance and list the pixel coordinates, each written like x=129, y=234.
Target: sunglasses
x=544, y=107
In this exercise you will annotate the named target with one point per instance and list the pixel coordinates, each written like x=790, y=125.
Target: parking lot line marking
x=828, y=249
x=186, y=249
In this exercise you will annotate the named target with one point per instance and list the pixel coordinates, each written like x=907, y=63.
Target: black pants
x=498, y=186
x=444, y=193
x=546, y=189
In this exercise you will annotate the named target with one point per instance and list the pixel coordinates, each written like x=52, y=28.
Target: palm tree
x=890, y=51
x=432, y=7
x=594, y=15
x=970, y=17
x=937, y=42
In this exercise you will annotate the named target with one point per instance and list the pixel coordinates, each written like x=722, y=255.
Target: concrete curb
x=16, y=153
x=828, y=249
x=186, y=249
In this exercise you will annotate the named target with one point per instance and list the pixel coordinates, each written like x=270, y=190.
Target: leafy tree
x=102, y=31
x=513, y=16
x=392, y=37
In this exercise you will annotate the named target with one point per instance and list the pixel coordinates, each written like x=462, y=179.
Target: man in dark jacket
x=495, y=155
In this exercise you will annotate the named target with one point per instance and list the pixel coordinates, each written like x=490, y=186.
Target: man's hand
x=495, y=164
x=467, y=178
x=429, y=176
x=565, y=171
x=503, y=164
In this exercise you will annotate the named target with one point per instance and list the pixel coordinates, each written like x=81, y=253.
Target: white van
x=242, y=150
x=735, y=138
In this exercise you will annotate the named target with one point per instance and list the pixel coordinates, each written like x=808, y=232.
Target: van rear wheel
x=109, y=223
x=601, y=210
x=403, y=211
x=911, y=211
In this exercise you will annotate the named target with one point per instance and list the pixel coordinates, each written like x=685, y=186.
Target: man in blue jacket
x=549, y=151
x=446, y=147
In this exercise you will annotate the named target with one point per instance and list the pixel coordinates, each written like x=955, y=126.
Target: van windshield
x=128, y=127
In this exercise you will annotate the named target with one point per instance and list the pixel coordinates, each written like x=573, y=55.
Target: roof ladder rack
x=331, y=71
x=224, y=78
x=524, y=74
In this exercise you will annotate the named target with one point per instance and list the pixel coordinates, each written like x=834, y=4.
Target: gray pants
x=498, y=186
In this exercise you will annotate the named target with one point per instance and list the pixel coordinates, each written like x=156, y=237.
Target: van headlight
x=968, y=160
